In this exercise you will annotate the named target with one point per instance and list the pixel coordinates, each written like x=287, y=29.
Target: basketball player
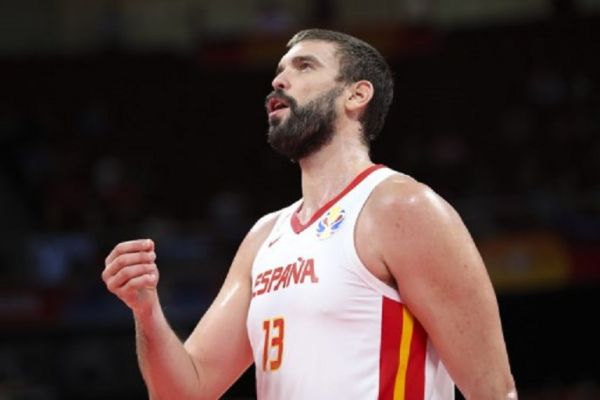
x=368, y=287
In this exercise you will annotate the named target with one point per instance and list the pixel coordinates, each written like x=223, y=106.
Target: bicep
x=219, y=344
x=442, y=279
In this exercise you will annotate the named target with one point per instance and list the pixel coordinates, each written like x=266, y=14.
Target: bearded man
x=368, y=287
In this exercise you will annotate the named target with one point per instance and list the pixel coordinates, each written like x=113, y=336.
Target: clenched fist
x=131, y=274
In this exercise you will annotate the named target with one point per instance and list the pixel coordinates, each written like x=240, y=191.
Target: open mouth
x=276, y=104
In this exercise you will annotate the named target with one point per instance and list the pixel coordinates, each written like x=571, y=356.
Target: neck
x=328, y=171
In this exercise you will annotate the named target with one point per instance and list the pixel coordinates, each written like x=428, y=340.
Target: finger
x=129, y=273
x=130, y=246
x=145, y=281
x=126, y=260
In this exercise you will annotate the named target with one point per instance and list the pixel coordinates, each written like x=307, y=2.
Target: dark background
x=118, y=120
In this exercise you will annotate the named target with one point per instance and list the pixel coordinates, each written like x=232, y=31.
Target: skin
x=406, y=235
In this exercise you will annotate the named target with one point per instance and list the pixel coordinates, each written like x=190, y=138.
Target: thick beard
x=307, y=129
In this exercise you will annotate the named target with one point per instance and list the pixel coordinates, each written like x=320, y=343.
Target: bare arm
x=441, y=277
x=217, y=352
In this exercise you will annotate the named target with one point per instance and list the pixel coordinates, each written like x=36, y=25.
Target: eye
x=304, y=66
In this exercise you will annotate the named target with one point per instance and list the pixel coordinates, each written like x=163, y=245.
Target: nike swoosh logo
x=271, y=243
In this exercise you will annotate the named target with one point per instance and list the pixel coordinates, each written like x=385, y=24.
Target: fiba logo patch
x=331, y=222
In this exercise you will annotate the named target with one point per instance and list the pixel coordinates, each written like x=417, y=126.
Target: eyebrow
x=299, y=59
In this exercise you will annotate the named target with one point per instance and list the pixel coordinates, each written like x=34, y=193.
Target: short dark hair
x=359, y=61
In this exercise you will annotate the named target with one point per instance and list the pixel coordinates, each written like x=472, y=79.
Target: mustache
x=291, y=102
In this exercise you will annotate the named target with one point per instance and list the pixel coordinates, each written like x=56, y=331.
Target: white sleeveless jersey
x=322, y=327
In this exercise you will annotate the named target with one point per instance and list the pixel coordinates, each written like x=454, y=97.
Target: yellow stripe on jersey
x=405, y=342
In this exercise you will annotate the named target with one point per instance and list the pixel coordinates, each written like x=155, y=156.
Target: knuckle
x=110, y=285
x=127, y=273
x=121, y=262
x=131, y=285
x=148, y=257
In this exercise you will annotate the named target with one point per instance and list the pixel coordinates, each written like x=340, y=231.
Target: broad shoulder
x=405, y=220
x=261, y=229
x=402, y=198
x=247, y=250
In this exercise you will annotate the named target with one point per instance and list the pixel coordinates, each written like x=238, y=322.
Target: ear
x=360, y=93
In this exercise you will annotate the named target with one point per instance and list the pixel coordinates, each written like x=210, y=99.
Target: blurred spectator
x=274, y=17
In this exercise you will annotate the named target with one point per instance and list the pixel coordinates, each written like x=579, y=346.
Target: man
x=369, y=287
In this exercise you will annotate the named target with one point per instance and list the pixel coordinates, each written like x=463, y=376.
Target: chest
x=307, y=273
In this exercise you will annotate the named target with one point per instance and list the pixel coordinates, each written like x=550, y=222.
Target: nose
x=280, y=82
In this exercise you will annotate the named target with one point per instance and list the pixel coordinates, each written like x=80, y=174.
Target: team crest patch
x=331, y=222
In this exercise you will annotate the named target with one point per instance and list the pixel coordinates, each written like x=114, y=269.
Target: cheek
x=305, y=96
x=306, y=90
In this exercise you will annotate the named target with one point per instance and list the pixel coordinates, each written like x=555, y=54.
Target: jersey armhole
x=281, y=221
x=360, y=267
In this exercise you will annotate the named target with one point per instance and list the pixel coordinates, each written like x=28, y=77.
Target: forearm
x=208, y=363
x=167, y=368
x=501, y=388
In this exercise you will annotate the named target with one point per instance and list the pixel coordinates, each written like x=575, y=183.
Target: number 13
x=274, y=333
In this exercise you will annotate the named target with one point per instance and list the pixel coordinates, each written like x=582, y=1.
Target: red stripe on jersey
x=298, y=226
x=391, y=331
x=415, y=374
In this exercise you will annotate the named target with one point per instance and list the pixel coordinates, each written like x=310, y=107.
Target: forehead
x=324, y=52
